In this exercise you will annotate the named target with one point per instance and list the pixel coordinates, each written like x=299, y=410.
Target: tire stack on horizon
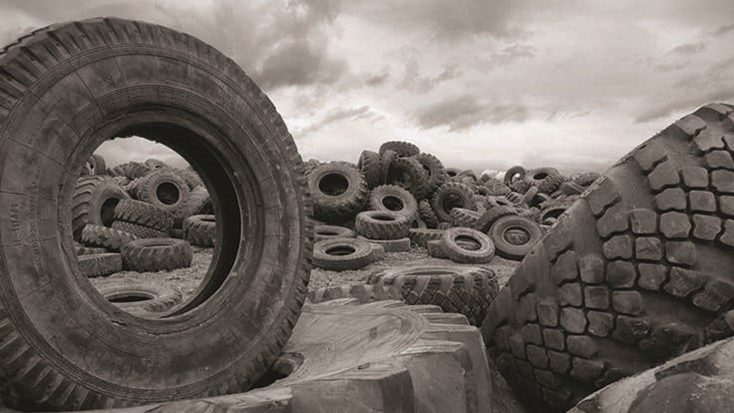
x=140, y=217
x=399, y=195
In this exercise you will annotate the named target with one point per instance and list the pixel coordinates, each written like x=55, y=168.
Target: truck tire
x=370, y=164
x=382, y=225
x=144, y=214
x=460, y=253
x=156, y=254
x=164, y=189
x=395, y=199
x=403, y=149
x=66, y=88
x=342, y=254
x=635, y=272
x=140, y=298
x=201, y=230
x=452, y=195
x=514, y=236
x=100, y=265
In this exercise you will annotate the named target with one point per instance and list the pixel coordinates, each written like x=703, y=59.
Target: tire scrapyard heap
x=620, y=273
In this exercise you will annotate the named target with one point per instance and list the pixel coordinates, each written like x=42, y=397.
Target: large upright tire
x=164, y=189
x=637, y=271
x=66, y=88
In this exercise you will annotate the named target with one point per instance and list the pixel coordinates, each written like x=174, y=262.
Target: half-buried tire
x=65, y=89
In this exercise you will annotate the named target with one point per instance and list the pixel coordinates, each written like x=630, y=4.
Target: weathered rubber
x=393, y=198
x=201, y=230
x=337, y=208
x=422, y=236
x=403, y=149
x=103, y=237
x=465, y=290
x=95, y=201
x=467, y=218
x=514, y=236
x=322, y=232
x=382, y=225
x=452, y=195
x=138, y=230
x=144, y=214
x=427, y=214
x=484, y=223
x=370, y=164
x=636, y=272
x=159, y=297
x=437, y=175
x=342, y=254
x=100, y=265
x=66, y=88
x=156, y=254
x=150, y=188
x=390, y=245
x=408, y=173
x=459, y=253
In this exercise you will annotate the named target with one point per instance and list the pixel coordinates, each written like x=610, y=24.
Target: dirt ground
x=186, y=280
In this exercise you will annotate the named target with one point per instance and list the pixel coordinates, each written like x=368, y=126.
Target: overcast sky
x=479, y=83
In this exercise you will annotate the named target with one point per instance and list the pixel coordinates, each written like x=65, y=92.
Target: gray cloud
x=689, y=48
x=466, y=111
x=338, y=115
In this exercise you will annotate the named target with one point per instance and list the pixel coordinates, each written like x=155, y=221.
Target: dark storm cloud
x=466, y=111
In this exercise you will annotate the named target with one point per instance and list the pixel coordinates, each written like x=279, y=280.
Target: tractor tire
x=164, y=189
x=452, y=195
x=403, y=149
x=339, y=192
x=94, y=202
x=635, y=273
x=394, y=199
x=144, y=214
x=466, y=218
x=370, y=164
x=144, y=299
x=201, y=230
x=65, y=89
x=465, y=290
x=382, y=225
x=99, y=265
x=156, y=254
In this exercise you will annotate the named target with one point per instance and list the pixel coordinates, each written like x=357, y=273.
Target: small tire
x=103, y=237
x=139, y=230
x=370, y=164
x=390, y=245
x=322, y=232
x=461, y=254
x=339, y=192
x=94, y=202
x=395, y=199
x=382, y=225
x=421, y=237
x=156, y=254
x=514, y=236
x=437, y=175
x=99, y=265
x=164, y=189
x=144, y=214
x=201, y=230
x=425, y=210
x=140, y=298
x=464, y=290
x=343, y=254
x=408, y=173
x=491, y=216
x=452, y=195
x=403, y=149
x=466, y=218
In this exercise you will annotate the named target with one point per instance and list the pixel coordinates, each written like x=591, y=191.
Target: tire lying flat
x=66, y=88
x=636, y=272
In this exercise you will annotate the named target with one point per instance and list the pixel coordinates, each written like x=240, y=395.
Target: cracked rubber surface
x=636, y=272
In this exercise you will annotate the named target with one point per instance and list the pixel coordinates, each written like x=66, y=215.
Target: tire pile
x=140, y=217
x=398, y=196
